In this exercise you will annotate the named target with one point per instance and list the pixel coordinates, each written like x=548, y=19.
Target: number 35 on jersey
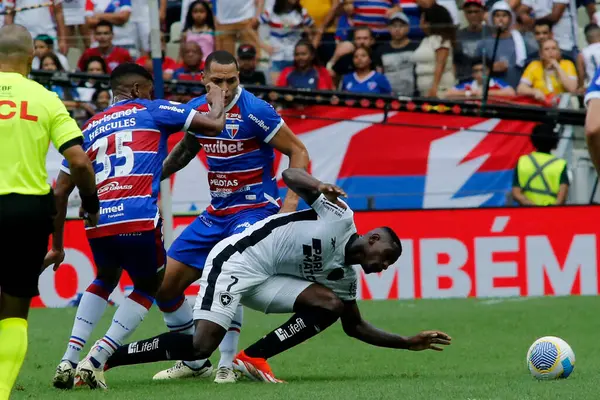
x=122, y=153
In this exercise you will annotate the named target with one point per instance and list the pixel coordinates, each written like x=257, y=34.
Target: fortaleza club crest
x=232, y=129
x=225, y=299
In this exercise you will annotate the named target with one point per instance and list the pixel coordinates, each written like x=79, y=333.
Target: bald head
x=15, y=42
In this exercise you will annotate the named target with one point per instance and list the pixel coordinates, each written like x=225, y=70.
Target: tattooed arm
x=182, y=154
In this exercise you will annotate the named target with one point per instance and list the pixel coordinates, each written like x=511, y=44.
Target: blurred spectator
x=191, y=70
x=590, y=8
x=588, y=60
x=541, y=179
x=449, y=5
x=345, y=24
x=75, y=27
x=562, y=13
x=474, y=88
x=4, y=5
x=548, y=76
x=395, y=58
x=287, y=22
x=365, y=79
x=118, y=13
x=99, y=101
x=41, y=21
x=168, y=64
x=50, y=62
x=433, y=57
x=247, y=61
x=237, y=18
x=375, y=14
x=94, y=65
x=342, y=61
x=512, y=49
x=42, y=45
x=542, y=31
x=199, y=28
x=139, y=26
x=305, y=74
x=469, y=36
x=102, y=99
x=193, y=63
x=113, y=55
x=323, y=13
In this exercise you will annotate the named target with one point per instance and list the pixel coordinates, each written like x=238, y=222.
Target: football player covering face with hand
x=272, y=267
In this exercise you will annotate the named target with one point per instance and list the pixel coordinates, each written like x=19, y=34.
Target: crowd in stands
x=404, y=47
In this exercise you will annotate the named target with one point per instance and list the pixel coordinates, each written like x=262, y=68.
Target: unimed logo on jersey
x=313, y=259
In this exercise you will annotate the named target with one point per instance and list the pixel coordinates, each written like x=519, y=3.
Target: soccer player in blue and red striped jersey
x=127, y=144
x=243, y=190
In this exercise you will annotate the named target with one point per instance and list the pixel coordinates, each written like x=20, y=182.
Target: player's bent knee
x=320, y=297
x=207, y=338
x=334, y=305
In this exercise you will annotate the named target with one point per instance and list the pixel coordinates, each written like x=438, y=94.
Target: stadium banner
x=411, y=161
x=485, y=252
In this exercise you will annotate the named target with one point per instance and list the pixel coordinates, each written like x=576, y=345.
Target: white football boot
x=90, y=375
x=225, y=375
x=182, y=371
x=64, y=377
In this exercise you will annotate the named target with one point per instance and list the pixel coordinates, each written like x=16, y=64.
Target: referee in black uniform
x=30, y=117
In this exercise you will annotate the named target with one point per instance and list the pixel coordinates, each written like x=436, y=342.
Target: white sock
x=179, y=317
x=229, y=344
x=127, y=318
x=90, y=310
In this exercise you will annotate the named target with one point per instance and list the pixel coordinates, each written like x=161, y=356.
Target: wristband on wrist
x=90, y=203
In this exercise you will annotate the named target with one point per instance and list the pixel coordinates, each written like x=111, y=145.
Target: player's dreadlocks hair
x=395, y=239
x=126, y=70
x=220, y=57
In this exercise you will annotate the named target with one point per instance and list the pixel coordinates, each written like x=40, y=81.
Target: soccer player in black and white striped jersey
x=303, y=263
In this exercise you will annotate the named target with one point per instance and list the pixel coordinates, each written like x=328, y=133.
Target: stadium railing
x=520, y=108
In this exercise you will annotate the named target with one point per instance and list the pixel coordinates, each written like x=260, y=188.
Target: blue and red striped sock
x=90, y=310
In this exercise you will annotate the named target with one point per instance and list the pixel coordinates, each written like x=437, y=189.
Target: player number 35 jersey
x=127, y=144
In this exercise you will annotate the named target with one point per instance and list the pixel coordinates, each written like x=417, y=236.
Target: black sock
x=168, y=346
x=302, y=326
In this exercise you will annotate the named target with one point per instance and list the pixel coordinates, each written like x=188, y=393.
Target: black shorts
x=26, y=223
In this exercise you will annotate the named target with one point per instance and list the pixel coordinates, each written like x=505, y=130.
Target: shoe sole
x=226, y=380
x=250, y=371
x=204, y=374
x=64, y=381
x=89, y=378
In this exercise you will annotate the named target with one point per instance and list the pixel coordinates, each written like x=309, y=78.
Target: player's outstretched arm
x=310, y=188
x=181, y=155
x=211, y=124
x=287, y=143
x=63, y=189
x=356, y=327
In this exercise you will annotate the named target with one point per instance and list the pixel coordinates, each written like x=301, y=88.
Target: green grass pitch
x=486, y=360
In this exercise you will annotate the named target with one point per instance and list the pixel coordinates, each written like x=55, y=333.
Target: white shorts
x=225, y=284
x=142, y=34
x=74, y=12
